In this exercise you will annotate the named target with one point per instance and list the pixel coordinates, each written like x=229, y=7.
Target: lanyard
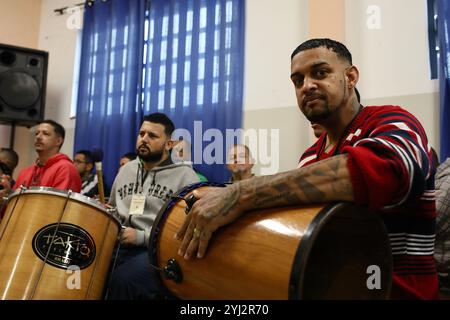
x=141, y=176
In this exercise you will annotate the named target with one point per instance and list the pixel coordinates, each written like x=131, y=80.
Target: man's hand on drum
x=104, y=205
x=128, y=236
x=214, y=208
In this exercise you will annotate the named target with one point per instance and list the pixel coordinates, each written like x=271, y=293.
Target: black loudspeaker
x=23, y=79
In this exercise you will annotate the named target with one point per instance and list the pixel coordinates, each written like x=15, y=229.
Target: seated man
x=376, y=156
x=85, y=166
x=442, y=248
x=51, y=168
x=240, y=162
x=139, y=191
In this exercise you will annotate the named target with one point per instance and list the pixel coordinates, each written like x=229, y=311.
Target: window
x=166, y=59
x=175, y=50
x=101, y=63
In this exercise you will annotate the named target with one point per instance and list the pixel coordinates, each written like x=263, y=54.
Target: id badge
x=137, y=204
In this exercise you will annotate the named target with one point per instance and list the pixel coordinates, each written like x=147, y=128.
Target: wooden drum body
x=308, y=252
x=55, y=245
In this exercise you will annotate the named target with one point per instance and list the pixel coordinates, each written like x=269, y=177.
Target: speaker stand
x=12, y=134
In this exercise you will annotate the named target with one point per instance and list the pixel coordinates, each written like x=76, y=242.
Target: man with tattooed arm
x=377, y=156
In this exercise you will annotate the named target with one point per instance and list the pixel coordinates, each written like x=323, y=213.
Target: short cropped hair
x=59, y=129
x=161, y=118
x=333, y=45
x=87, y=155
x=11, y=156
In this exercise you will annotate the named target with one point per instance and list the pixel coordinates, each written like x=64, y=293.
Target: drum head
x=338, y=254
x=66, y=194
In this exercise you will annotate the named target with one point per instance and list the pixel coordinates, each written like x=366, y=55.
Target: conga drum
x=55, y=245
x=328, y=251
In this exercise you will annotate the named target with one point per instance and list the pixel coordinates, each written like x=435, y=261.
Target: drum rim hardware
x=172, y=271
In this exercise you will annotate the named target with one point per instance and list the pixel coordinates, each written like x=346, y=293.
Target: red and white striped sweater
x=391, y=171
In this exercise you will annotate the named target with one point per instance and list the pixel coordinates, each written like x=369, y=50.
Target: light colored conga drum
x=55, y=245
x=332, y=251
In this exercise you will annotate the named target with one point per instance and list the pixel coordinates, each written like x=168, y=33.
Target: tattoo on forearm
x=311, y=192
x=343, y=188
x=283, y=195
x=335, y=165
x=324, y=181
x=231, y=201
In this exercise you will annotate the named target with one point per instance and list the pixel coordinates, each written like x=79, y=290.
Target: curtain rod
x=62, y=11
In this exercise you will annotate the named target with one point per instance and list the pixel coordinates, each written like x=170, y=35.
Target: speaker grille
x=18, y=89
x=23, y=74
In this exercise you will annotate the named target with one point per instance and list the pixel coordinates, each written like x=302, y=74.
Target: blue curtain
x=194, y=66
x=109, y=107
x=444, y=76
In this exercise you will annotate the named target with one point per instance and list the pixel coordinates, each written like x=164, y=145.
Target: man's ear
x=169, y=145
x=352, y=74
x=60, y=142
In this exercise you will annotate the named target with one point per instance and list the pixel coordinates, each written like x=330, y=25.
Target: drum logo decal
x=63, y=245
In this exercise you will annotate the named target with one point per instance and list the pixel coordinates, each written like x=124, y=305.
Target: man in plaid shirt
x=442, y=249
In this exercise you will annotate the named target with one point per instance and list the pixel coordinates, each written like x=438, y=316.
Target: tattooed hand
x=214, y=208
x=325, y=181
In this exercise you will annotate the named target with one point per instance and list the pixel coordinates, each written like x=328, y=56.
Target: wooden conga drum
x=307, y=252
x=55, y=245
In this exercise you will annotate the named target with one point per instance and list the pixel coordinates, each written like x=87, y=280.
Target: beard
x=320, y=116
x=147, y=155
x=321, y=113
x=317, y=113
